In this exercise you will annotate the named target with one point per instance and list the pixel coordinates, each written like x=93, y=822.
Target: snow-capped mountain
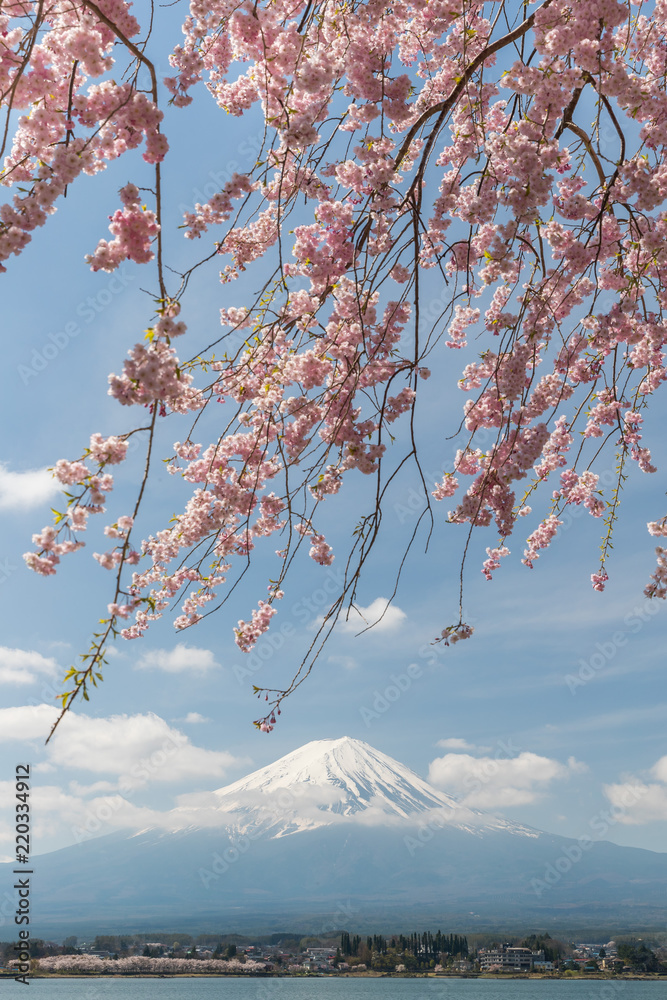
x=356, y=776
x=337, y=780
x=338, y=836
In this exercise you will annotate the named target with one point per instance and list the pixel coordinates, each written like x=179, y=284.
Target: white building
x=511, y=959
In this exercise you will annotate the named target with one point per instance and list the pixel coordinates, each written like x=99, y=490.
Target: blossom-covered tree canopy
x=136, y=965
x=510, y=154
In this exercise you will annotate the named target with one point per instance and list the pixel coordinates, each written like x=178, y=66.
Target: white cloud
x=137, y=748
x=7, y=804
x=123, y=754
x=618, y=720
x=81, y=791
x=113, y=651
x=43, y=767
x=494, y=783
x=194, y=718
x=659, y=770
x=387, y=616
x=24, y=666
x=455, y=743
x=198, y=800
x=348, y=662
x=577, y=766
x=53, y=812
x=26, y=722
x=61, y=818
x=178, y=659
x=20, y=490
x=637, y=801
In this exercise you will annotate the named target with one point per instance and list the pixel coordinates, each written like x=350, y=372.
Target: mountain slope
x=343, y=877
x=327, y=781
x=339, y=836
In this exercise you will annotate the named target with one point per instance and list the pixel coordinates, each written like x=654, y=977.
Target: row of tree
x=37, y=948
x=415, y=949
x=639, y=957
x=138, y=964
x=544, y=942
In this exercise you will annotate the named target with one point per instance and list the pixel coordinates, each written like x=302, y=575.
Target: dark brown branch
x=446, y=106
x=158, y=180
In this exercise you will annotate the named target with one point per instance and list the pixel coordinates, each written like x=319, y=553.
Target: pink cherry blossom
x=423, y=186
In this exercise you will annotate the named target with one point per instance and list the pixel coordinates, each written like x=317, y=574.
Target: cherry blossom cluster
x=658, y=585
x=138, y=964
x=541, y=538
x=248, y=633
x=94, y=485
x=66, y=124
x=430, y=144
x=581, y=489
x=153, y=374
x=493, y=561
x=134, y=228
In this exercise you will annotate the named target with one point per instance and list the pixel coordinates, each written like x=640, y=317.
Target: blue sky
x=553, y=710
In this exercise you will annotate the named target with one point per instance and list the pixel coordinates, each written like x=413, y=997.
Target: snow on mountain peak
x=357, y=774
x=335, y=780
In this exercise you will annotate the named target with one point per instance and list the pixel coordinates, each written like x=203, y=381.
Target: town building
x=508, y=958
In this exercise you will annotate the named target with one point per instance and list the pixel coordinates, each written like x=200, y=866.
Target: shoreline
x=648, y=977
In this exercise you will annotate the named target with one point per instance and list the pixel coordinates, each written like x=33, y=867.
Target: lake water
x=340, y=989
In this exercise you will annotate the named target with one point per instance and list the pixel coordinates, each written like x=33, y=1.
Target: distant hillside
x=339, y=836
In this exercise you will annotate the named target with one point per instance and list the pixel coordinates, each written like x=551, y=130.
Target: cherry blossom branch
x=444, y=108
x=333, y=347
